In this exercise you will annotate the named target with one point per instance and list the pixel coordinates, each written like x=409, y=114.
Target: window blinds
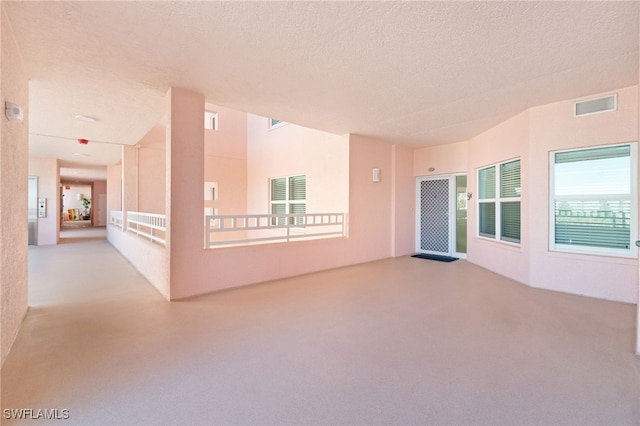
x=499, y=201
x=510, y=179
x=297, y=187
x=487, y=183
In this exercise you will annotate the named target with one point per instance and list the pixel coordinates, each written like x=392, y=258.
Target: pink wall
x=114, y=188
x=225, y=160
x=553, y=127
x=506, y=141
x=403, y=201
x=129, y=180
x=151, y=179
x=185, y=173
x=291, y=150
x=530, y=136
x=638, y=276
x=151, y=260
x=99, y=212
x=381, y=216
x=370, y=233
x=14, y=161
x=339, y=164
x=444, y=159
x=47, y=171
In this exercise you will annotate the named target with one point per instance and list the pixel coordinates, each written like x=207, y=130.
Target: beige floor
x=397, y=341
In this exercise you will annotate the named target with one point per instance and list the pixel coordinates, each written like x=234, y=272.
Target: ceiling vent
x=595, y=106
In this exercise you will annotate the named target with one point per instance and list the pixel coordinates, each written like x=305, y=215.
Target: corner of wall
x=14, y=169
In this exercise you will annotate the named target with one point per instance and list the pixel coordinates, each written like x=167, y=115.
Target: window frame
x=498, y=200
x=274, y=123
x=288, y=201
x=211, y=120
x=632, y=251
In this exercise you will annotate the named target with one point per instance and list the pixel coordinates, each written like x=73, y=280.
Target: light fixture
x=85, y=118
x=12, y=111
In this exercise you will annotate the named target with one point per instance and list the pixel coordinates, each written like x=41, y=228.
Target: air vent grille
x=594, y=106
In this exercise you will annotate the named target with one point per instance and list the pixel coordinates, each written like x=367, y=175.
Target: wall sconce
x=376, y=174
x=79, y=197
x=13, y=112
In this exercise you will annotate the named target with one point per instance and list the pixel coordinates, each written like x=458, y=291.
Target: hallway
x=396, y=341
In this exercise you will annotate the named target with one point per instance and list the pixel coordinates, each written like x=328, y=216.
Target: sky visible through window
x=610, y=176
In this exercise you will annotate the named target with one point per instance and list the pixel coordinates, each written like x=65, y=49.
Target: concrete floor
x=397, y=341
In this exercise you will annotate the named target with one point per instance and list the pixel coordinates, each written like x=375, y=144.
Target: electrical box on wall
x=42, y=207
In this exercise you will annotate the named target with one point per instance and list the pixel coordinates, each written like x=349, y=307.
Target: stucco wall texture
x=14, y=153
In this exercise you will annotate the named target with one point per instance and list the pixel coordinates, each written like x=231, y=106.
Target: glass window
x=499, y=202
x=289, y=196
x=274, y=122
x=592, y=200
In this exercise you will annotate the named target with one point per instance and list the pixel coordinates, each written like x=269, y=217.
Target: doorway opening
x=32, y=205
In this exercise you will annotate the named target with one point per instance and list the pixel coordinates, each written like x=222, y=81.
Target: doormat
x=435, y=257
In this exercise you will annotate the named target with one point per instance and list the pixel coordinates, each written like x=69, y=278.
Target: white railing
x=257, y=228
x=148, y=225
x=115, y=218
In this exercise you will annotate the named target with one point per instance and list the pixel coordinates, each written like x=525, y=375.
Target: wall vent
x=595, y=106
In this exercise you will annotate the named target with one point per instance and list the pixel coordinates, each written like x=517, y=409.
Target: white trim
x=272, y=229
x=287, y=202
x=632, y=252
x=211, y=120
x=497, y=201
x=279, y=123
x=451, y=214
x=211, y=191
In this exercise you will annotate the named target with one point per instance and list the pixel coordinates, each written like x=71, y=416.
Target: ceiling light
x=81, y=155
x=85, y=118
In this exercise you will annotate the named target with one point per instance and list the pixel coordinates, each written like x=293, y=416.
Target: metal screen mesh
x=434, y=215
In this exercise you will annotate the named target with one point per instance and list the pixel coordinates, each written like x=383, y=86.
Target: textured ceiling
x=416, y=73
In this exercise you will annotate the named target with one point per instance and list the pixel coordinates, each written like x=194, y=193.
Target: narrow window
x=273, y=122
x=289, y=196
x=210, y=120
x=499, y=202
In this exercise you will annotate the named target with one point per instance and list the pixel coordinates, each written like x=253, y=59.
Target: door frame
x=451, y=213
x=32, y=210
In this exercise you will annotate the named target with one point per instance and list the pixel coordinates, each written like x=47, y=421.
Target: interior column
x=185, y=180
x=129, y=182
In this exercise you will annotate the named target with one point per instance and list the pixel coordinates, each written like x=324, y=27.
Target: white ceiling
x=417, y=73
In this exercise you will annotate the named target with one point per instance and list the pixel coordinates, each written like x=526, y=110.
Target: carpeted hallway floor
x=398, y=341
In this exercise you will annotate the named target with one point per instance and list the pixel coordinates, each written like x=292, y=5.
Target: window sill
x=630, y=258
x=501, y=243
